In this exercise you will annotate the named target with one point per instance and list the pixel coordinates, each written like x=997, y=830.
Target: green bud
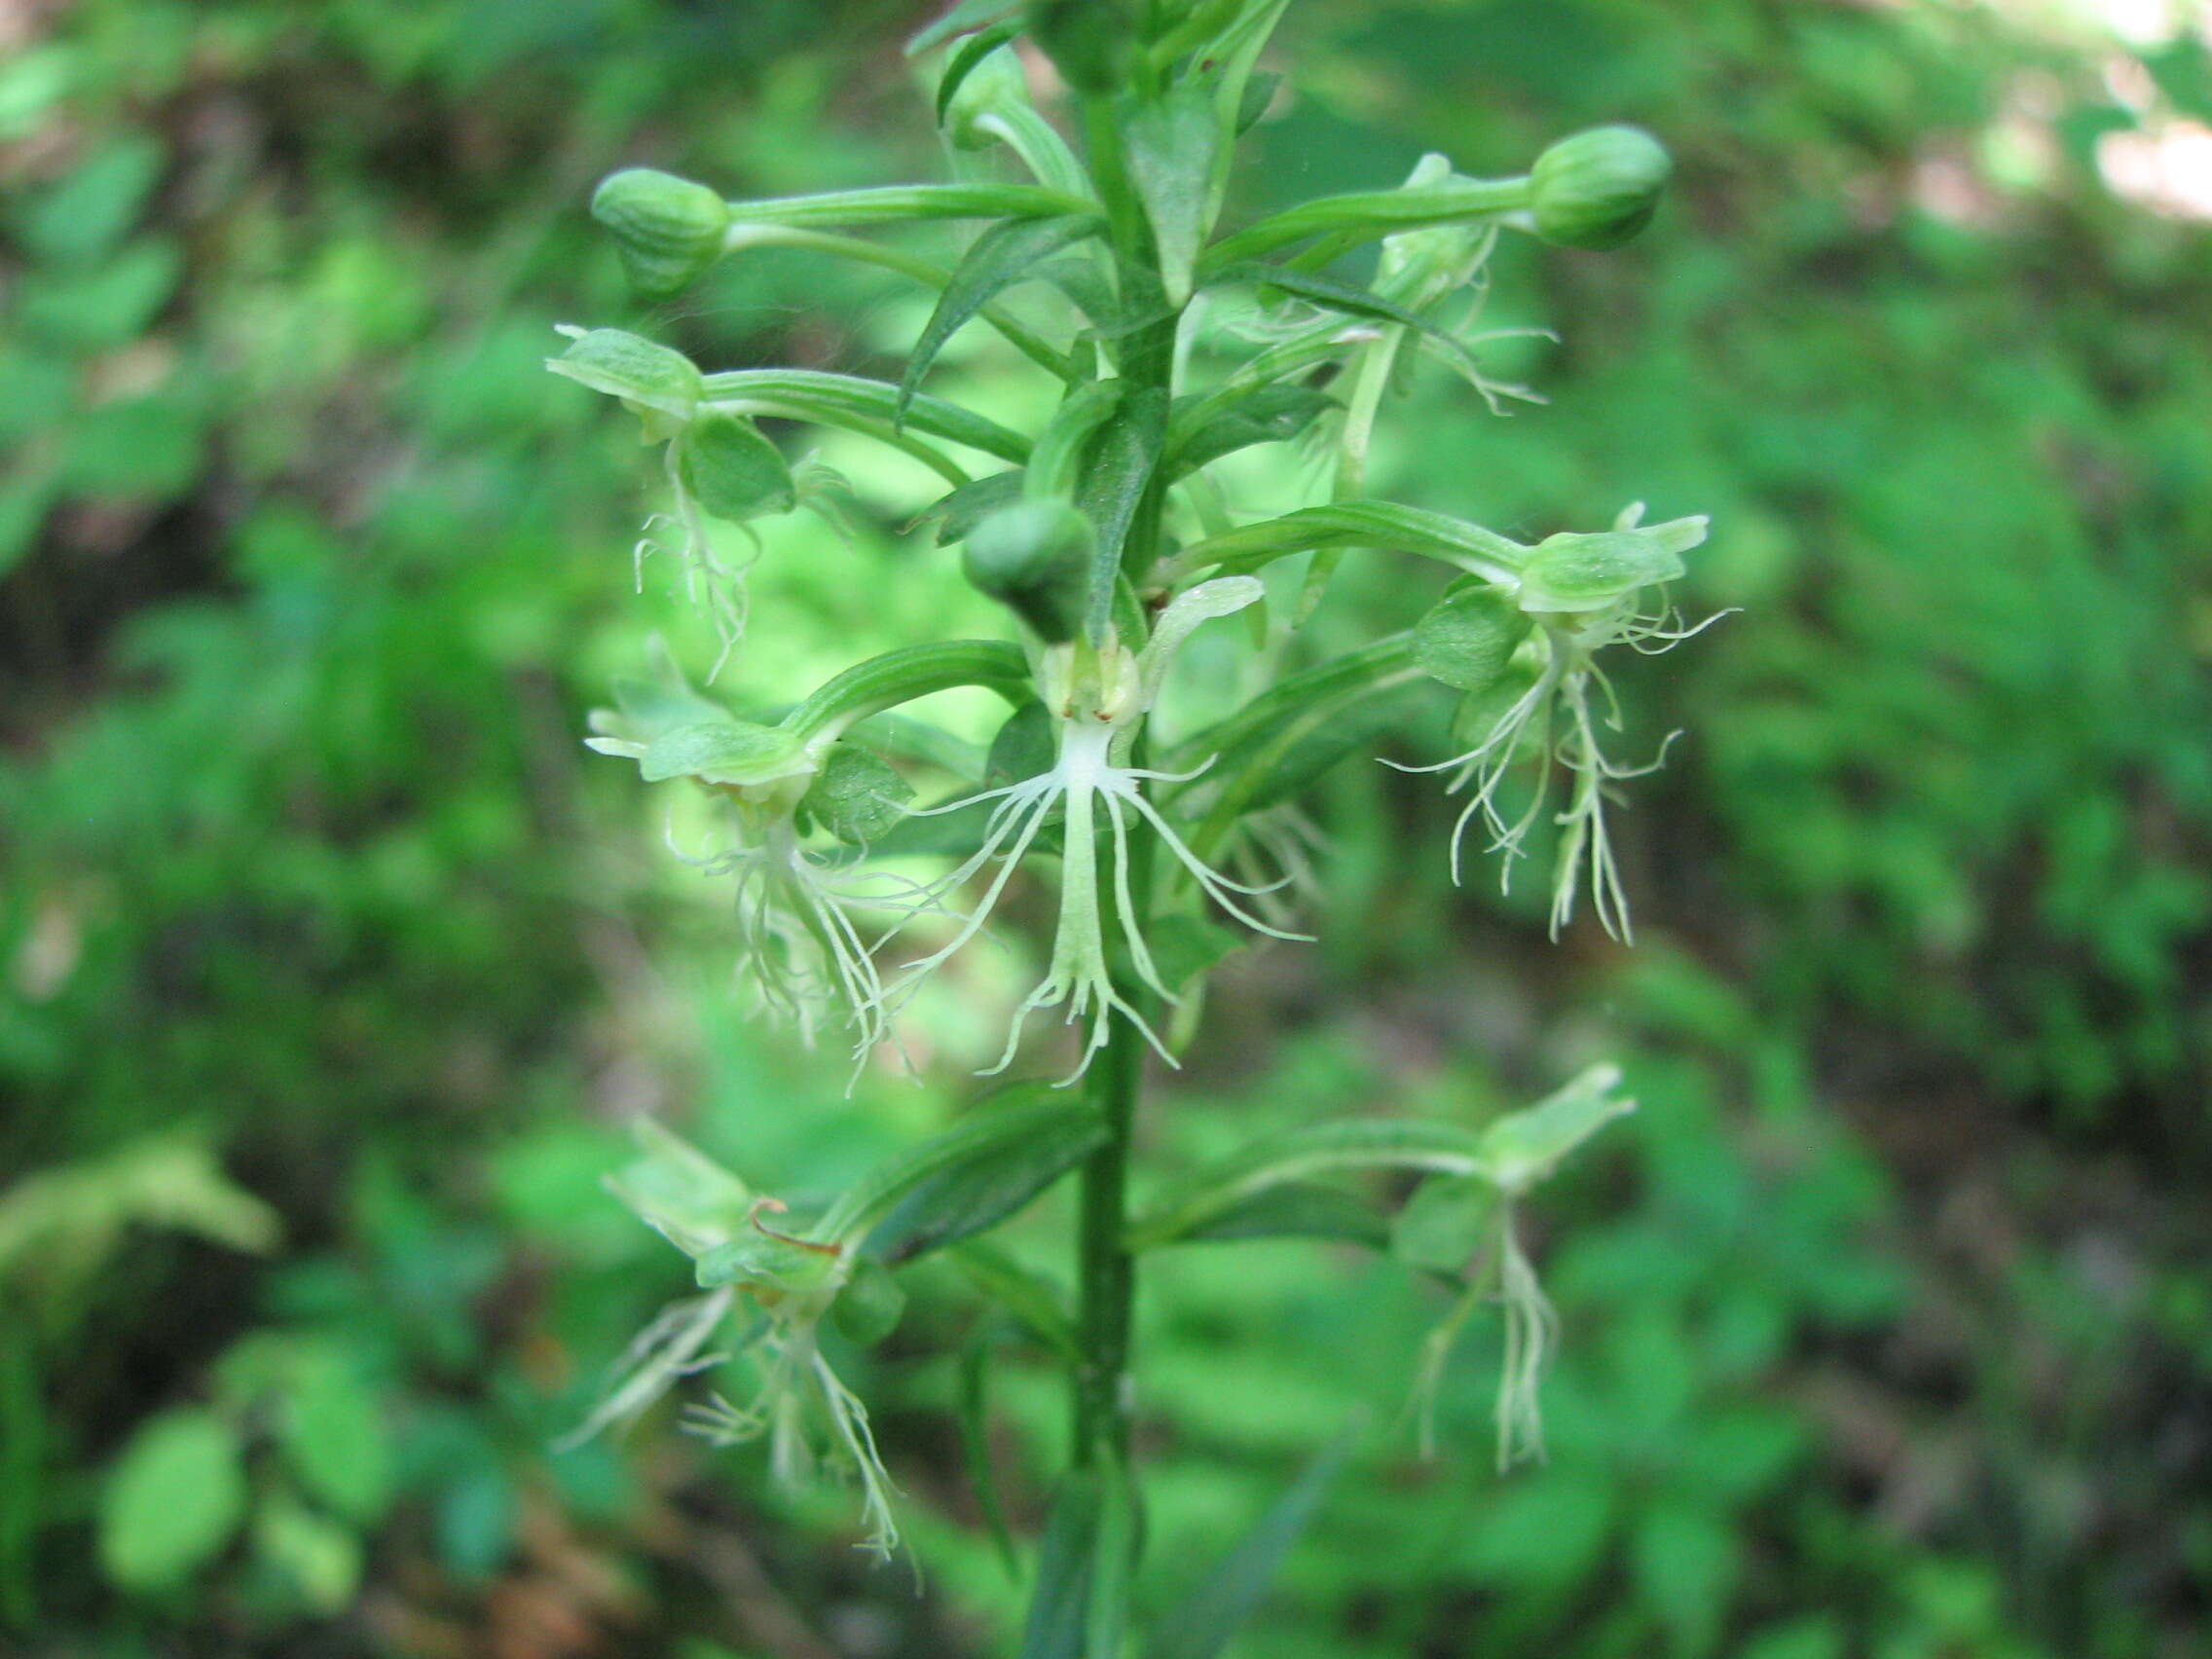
x=1034, y=557
x=1467, y=640
x=1089, y=41
x=645, y=376
x=667, y=229
x=1598, y=188
x=732, y=470
x=1577, y=573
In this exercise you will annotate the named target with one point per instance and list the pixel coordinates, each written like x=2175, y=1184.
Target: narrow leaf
x=972, y=51
x=1003, y=255
x=1349, y=298
x=1266, y=414
x=975, y=1412
x=1029, y=1298
x=1060, y=1604
x=967, y=15
x=1115, y=477
x=959, y=512
x=1171, y=141
x=1218, y=1608
x=968, y=1179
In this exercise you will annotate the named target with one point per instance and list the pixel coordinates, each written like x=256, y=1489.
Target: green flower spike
x=776, y=1288
x=1099, y=694
x=1533, y=700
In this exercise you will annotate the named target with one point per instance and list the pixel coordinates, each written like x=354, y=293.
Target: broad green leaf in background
x=334, y=1437
x=172, y=1500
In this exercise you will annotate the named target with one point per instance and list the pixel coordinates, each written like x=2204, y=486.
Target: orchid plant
x=1110, y=535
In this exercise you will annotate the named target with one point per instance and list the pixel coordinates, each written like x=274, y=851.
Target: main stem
x=1106, y=1272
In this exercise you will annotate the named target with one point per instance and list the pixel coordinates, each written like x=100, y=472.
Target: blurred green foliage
x=329, y=965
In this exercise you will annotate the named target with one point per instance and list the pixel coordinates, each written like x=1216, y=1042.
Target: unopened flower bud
x=1598, y=188
x=1034, y=557
x=666, y=228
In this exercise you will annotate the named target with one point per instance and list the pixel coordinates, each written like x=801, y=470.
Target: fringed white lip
x=1553, y=723
x=1086, y=782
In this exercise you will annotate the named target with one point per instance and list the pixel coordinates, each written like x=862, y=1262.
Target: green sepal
x=1599, y=188
x=736, y=753
x=644, y=375
x=1574, y=571
x=1445, y=1223
x=650, y=707
x=732, y=470
x=771, y=1266
x=1523, y=1147
x=1035, y=558
x=856, y=797
x=667, y=229
x=679, y=1192
x=870, y=1305
x=1253, y=99
x=1468, y=637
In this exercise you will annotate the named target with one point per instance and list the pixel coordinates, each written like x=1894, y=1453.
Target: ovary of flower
x=1097, y=707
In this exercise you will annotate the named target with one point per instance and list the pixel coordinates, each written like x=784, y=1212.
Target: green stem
x=1106, y=1272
